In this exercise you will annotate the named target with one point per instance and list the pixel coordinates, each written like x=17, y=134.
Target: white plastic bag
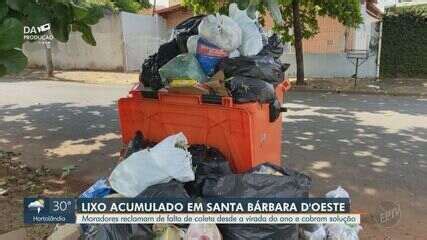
x=317, y=232
x=221, y=31
x=251, y=36
x=338, y=193
x=168, y=160
x=192, y=44
x=203, y=231
x=341, y=231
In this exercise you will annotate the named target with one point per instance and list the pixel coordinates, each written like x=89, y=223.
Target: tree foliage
x=345, y=11
x=404, y=48
x=64, y=16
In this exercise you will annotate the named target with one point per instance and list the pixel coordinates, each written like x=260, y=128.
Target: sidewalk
x=398, y=87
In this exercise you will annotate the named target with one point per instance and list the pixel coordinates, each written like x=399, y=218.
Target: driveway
x=373, y=146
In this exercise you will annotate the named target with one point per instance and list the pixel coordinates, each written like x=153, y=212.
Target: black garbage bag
x=264, y=68
x=136, y=231
x=206, y=162
x=119, y=232
x=259, y=231
x=286, y=183
x=273, y=48
x=244, y=90
x=291, y=185
x=149, y=75
x=275, y=108
x=185, y=29
x=170, y=189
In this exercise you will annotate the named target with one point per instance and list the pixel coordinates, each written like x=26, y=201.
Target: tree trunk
x=49, y=62
x=298, y=41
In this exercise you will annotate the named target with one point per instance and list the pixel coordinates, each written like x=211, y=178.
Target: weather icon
x=39, y=204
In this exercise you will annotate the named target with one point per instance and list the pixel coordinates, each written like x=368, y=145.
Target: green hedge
x=404, y=43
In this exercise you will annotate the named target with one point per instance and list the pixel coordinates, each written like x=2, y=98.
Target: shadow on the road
x=60, y=134
x=375, y=147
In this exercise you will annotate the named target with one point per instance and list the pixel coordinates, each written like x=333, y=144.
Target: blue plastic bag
x=209, y=56
x=98, y=190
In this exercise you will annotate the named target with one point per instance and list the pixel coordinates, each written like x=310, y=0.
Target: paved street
x=373, y=146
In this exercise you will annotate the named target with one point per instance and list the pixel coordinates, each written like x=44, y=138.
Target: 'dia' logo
x=37, y=204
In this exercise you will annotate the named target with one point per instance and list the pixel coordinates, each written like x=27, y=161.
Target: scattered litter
x=67, y=170
x=266, y=169
x=98, y=190
x=341, y=231
x=167, y=232
x=338, y=193
x=203, y=232
x=167, y=160
x=207, y=162
x=313, y=232
x=3, y=191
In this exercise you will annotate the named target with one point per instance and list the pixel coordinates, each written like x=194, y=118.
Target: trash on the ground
x=65, y=232
x=244, y=90
x=203, y=232
x=264, y=68
x=183, y=66
x=3, y=191
x=313, y=232
x=266, y=169
x=217, y=84
x=291, y=185
x=118, y=232
x=341, y=231
x=135, y=144
x=206, y=162
x=167, y=232
x=259, y=231
x=172, y=188
x=98, y=190
x=251, y=36
x=209, y=56
x=222, y=31
x=338, y=193
x=67, y=170
x=167, y=160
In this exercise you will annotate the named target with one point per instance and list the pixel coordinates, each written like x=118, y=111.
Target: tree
x=63, y=16
x=299, y=17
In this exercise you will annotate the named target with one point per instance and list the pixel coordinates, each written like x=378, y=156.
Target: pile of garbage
x=218, y=55
x=172, y=168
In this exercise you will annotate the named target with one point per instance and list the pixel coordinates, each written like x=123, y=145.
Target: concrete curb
x=357, y=92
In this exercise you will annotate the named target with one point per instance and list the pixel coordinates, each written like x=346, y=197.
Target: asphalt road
x=373, y=146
